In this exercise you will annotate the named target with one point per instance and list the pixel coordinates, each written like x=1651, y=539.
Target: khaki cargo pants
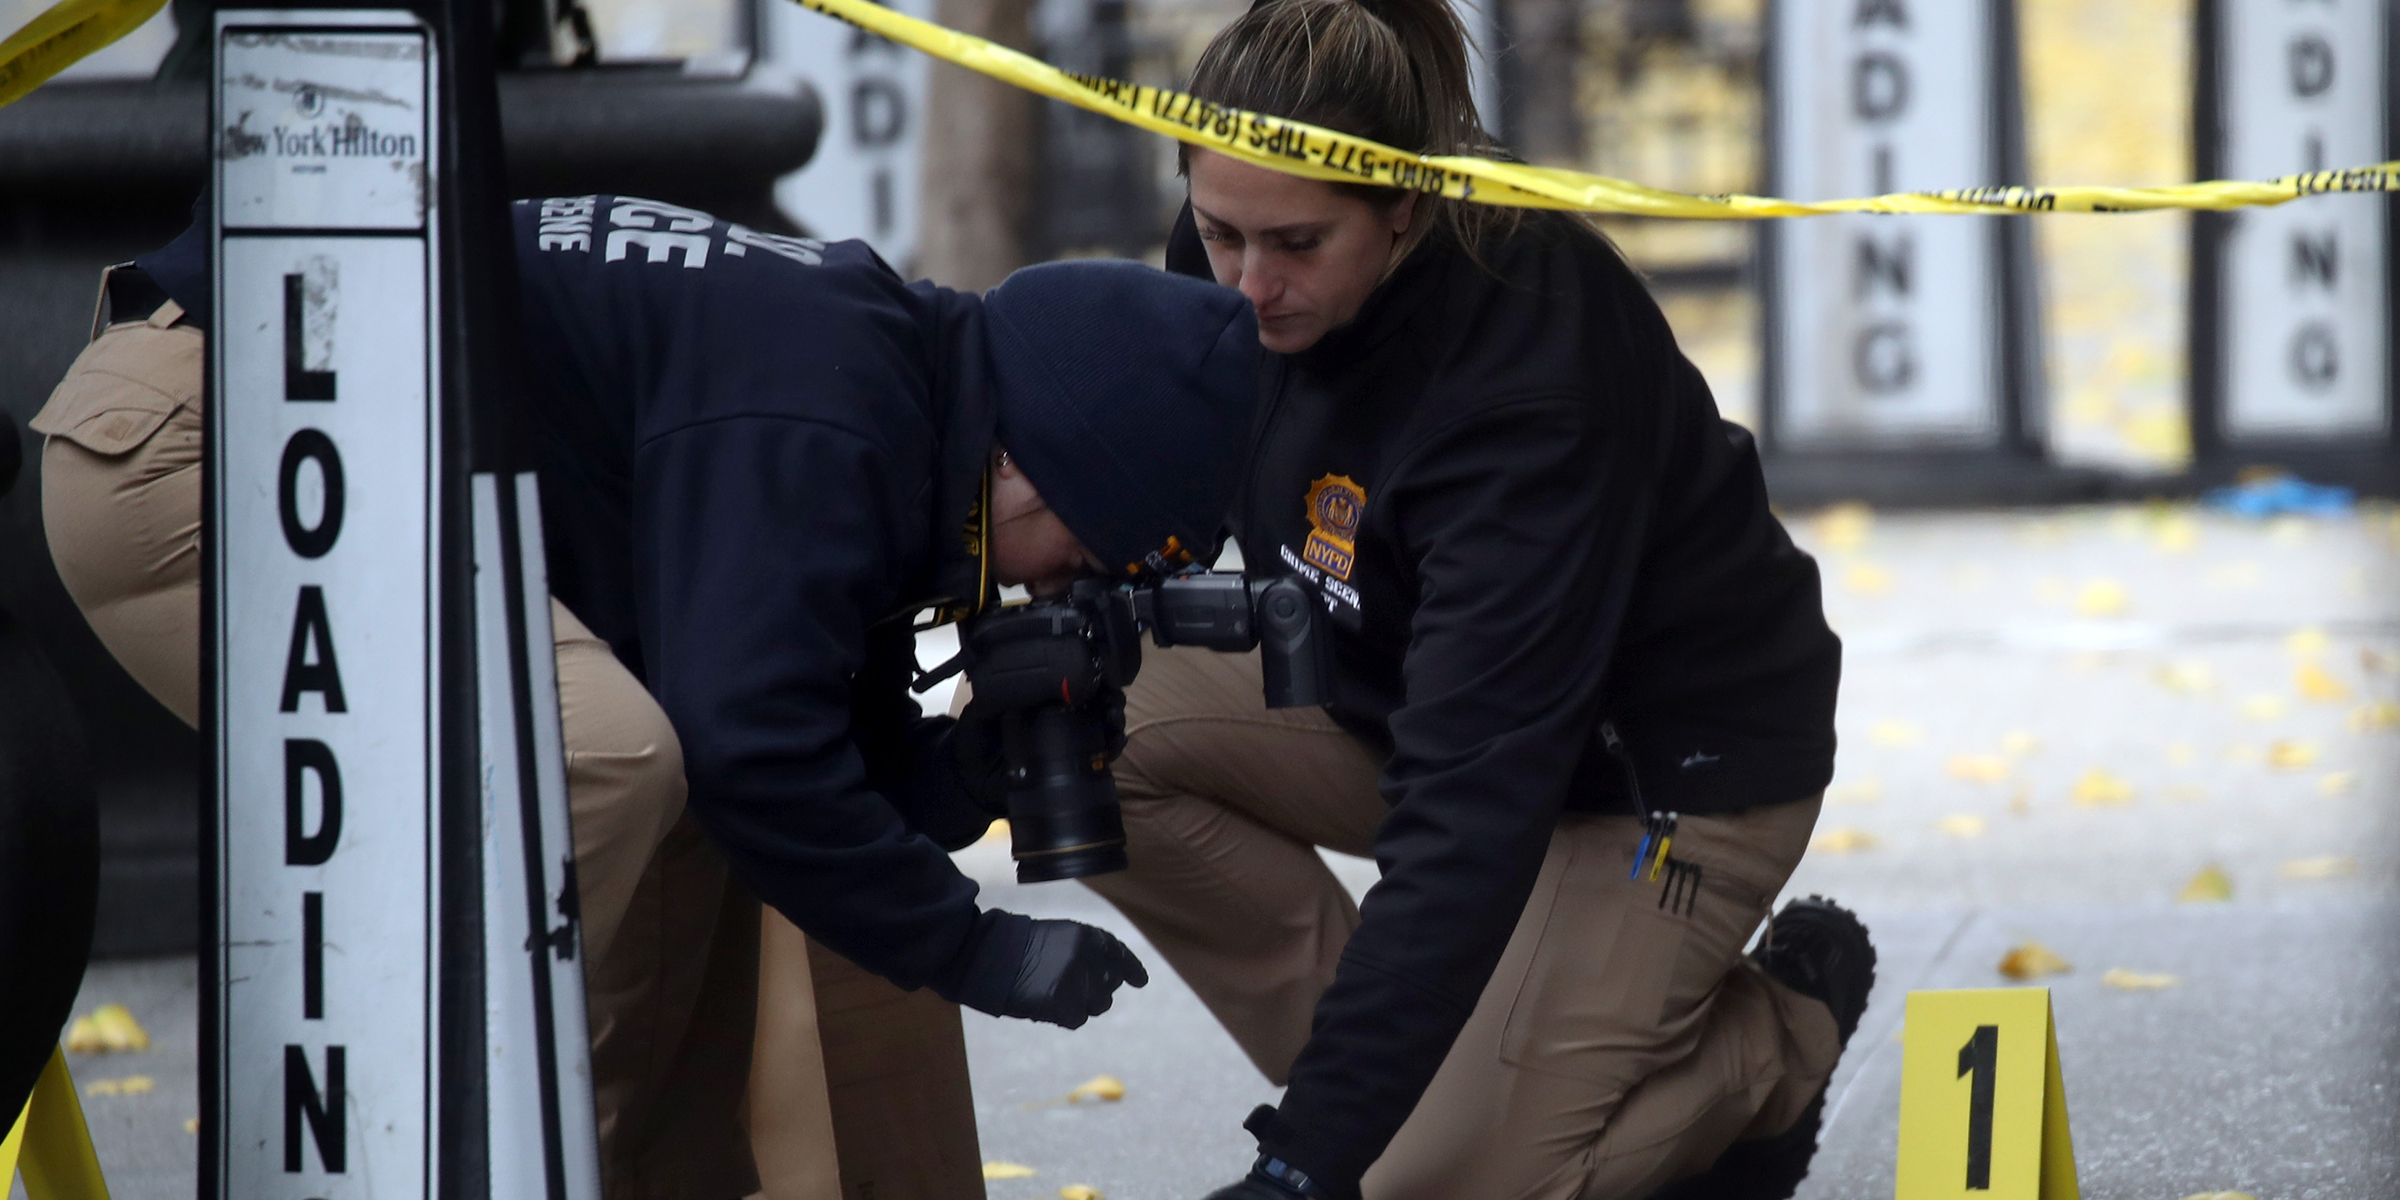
x=850, y=1087
x=1623, y=1042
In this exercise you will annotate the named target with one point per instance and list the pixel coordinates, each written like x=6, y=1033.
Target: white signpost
x=2293, y=305
x=1891, y=333
x=336, y=1061
x=326, y=514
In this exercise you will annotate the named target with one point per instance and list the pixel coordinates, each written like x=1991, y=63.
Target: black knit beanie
x=1125, y=394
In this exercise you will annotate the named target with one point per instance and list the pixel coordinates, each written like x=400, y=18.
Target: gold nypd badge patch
x=1335, y=504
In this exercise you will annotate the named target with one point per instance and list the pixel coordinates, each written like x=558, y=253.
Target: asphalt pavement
x=2055, y=725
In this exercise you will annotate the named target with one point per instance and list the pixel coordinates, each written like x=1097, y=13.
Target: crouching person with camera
x=763, y=458
x=1581, y=698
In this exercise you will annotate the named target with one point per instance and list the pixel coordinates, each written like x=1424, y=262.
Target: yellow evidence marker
x=1983, y=1109
x=50, y=1142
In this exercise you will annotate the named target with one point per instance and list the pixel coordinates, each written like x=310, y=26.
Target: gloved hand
x=1270, y=1180
x=1254, y=1188
x=1063, y=972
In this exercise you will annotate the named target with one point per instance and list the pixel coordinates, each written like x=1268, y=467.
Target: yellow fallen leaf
x=1979, y=768
x=1098, y=1087
x=2189, y=676
x=1896, y=733
x=131, y=1085
x=2137, y=981
x=109, y=1028
x=998, y=831
x=2290, y=754
x=2209, y=885
x=2316, y=683
x=2175, y=533
x=2017, y=743
x=1007, y=1170
x=1079, y=1191
x=2179, y=754
x=2308, y=641
x=2033, y=960
x=1963, y=825
x=2327, y=866
x=1842, y=841
x=2367, y=718
x=1844, y=527
x=2336, y=783
x=2158, y=435
x=1867, y=579
x=2265, y=706
x=1855, y=795
x=2101, y=598
x=83, y=1037
x=2099, y=789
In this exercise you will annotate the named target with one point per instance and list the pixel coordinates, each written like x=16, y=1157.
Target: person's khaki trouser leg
x=1620, y=1044
x=669, y=947
x=1623, y=1042
x=670, y=969
x=896, y=1064
x=791, y=1116
x=121, y=499
x=1226, y=802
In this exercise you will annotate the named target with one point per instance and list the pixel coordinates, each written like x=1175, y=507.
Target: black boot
x=1820, y=950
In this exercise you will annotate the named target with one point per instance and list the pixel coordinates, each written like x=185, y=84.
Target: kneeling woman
x=1583, y=695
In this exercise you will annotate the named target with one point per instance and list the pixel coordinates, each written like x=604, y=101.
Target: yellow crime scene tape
x=75, y=28
x=62, y=36
x=1307, y=150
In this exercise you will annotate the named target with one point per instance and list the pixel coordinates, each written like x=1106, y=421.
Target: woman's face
x=1306, y=255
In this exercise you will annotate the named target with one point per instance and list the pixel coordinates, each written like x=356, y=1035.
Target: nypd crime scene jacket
x=759, y=455
x=1532, y=533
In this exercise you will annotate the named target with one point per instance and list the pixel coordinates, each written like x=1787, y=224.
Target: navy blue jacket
x=1554, y=585
x=761, y=455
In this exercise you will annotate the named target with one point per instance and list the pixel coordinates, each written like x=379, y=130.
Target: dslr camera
x=1054, y=671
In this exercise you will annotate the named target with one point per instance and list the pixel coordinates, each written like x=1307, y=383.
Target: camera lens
x=1063, y=818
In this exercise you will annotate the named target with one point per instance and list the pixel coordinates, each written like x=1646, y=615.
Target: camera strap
x=925, y=680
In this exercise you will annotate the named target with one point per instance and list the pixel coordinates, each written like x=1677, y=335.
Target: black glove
x=1063, y=972
x=1254, y=1188
x=1271, y=1180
